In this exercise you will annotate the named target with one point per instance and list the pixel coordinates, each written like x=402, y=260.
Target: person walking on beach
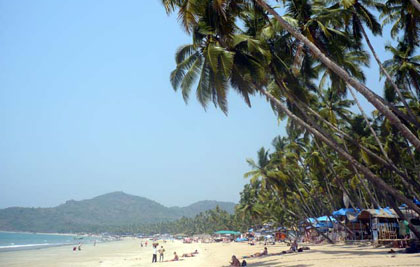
x=154, y=258
x=161, y=251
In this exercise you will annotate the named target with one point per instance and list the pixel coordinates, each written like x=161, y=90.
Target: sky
x=86, y=108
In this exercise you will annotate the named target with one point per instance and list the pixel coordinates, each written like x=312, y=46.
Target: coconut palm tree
x=240, y=61
x=403, y=17
x=404, y=67
x=360, y=87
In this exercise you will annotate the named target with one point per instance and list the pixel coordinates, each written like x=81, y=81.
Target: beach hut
x=227, y=232
x=377, y=225
x=226, y=235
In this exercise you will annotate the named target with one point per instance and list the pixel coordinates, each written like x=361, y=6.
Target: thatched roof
x=377, y=213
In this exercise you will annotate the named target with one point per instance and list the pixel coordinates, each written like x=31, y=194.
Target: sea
x=10, y=241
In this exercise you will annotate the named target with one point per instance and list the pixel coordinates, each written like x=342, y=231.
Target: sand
x=129, y=253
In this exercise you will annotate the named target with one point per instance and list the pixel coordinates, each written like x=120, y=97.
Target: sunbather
x=176, y=258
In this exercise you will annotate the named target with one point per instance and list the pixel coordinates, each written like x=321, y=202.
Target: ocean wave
x=32, y=245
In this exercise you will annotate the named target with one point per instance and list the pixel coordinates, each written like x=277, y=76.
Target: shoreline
x=128, y=252
x=38, y=244
x=42, y=233
x=36, y=233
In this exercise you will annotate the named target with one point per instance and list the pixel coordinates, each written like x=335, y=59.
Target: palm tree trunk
x=401, y=215
x=389, y=164
x=312, y=214
x=331, y=143
x=415, y=82
x=381, y=148
x=393, y=119
x=339, y=181
x=388, y=77
x=403, y=178
x=394, y=109
x=415, y=4
x=364, y=184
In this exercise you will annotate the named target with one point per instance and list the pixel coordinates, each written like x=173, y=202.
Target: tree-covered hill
x=99, y=213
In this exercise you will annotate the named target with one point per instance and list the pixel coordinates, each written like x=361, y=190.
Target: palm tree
x=242, y=66
x=370, y=96
x=221, y=15
x=403, y=16
x=415, y=4
x=404, y=66
x=355, y=14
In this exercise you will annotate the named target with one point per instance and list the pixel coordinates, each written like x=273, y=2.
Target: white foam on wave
x=32, y=245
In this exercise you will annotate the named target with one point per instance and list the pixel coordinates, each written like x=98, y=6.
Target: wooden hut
x=378, y=225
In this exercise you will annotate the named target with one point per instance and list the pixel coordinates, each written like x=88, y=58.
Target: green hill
x=99, y=214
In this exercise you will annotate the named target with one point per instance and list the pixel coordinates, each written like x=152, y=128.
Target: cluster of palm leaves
x=308, y=63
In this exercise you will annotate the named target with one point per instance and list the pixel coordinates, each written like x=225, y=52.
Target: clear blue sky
x=86, y=108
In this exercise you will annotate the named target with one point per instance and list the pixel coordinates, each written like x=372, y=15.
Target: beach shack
x=412, y=217
x=226, y=235
x=379, y=225
x=311, y=227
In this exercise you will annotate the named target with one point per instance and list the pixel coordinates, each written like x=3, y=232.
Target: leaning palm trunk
x=388, y=77
x=364, y=184
x=368, y=174
x=331, y=143
x=370, y=96
x=415, y=4
x=401, y=215
x=388, y=163
x=375, y=136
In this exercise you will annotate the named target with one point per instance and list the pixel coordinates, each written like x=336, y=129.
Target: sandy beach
x=129, y=253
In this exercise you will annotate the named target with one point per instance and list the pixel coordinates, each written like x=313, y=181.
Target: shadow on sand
x=276, y=263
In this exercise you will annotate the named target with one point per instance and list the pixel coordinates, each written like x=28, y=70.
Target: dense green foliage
x=206, y=222
x=111, y=212
x=308, y=62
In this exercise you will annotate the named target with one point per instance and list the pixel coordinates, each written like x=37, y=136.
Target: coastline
x=46, y=241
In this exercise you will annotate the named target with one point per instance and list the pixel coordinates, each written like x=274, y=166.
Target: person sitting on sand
x=176, y=258
x=195, y=252
x=294, y=246
x=265, y=252
x=235, y=261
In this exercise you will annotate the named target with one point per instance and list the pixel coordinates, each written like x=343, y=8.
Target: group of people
x=293, y=248
x=161, y=252
x=79, y=247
